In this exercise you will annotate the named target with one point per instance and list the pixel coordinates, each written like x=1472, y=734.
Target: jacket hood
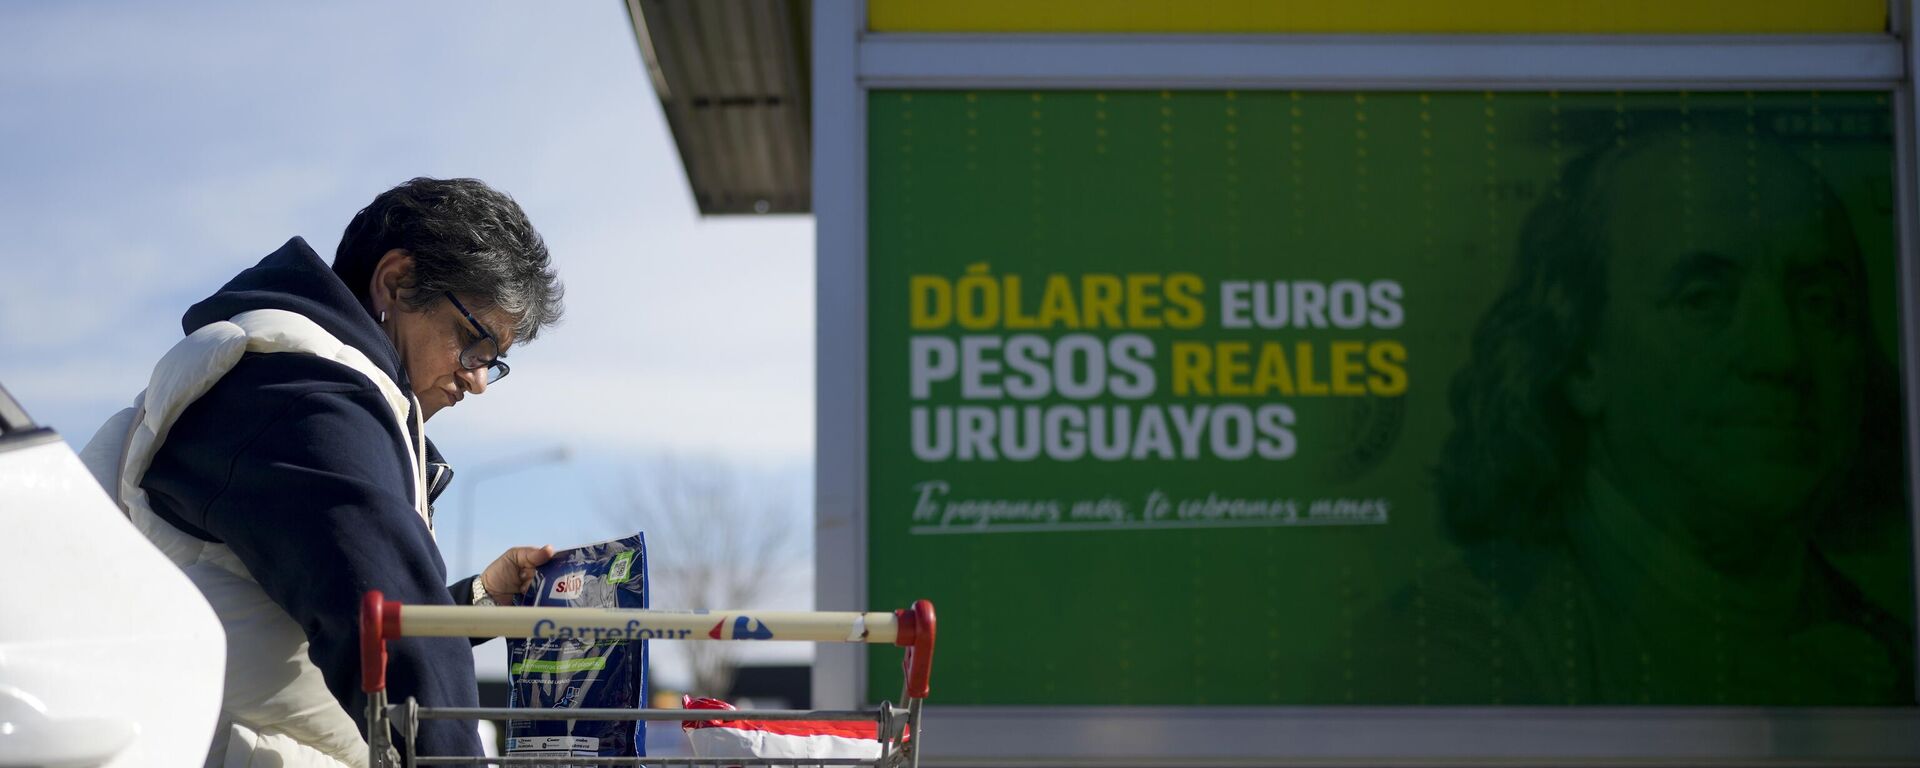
x=294, y=279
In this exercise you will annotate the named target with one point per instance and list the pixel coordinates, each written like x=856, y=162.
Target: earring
x=383, y=317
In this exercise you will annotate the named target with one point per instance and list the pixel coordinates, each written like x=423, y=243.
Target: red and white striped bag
x=778, y=738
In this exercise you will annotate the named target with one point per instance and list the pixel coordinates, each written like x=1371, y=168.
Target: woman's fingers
x=529, y=556
x=516, y=565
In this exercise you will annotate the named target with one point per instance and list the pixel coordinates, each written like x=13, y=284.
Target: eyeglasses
x=484, y=352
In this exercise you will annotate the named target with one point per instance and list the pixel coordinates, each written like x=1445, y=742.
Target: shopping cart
x=898, y=728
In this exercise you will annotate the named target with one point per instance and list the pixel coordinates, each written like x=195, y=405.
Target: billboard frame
x=848, y=62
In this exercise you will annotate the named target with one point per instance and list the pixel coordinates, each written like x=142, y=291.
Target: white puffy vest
x=277, y=709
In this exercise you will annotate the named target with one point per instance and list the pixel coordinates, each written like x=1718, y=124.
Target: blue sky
x=153, y=150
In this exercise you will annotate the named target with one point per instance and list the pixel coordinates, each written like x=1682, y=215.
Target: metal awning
x=732, y=76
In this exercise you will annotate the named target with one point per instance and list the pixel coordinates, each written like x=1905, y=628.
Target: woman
x=278, y=456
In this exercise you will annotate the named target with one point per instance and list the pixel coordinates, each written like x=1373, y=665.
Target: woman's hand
x=512, y=571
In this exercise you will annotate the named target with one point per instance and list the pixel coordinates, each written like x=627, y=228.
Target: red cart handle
x=379, y=620
x=916, y=635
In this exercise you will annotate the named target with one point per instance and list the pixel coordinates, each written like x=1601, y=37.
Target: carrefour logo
x=744, y=628
x=546, y=629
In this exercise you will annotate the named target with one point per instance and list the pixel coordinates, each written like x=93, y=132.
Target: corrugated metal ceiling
x=733, y=78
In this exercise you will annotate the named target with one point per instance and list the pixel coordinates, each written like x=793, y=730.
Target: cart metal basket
x=898, y=727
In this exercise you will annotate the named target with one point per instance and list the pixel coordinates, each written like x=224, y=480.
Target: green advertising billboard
x=1307, y=398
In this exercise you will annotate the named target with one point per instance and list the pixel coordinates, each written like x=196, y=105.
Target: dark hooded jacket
x=298, y=465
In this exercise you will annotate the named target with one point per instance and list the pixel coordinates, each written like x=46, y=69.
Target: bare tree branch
x=713, y=541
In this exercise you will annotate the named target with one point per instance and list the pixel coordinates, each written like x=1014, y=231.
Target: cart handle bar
x=382, y=620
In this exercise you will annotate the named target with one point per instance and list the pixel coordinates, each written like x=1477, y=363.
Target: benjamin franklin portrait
x=1674, y=472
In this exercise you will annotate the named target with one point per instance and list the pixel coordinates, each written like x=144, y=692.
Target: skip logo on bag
x=568, y=587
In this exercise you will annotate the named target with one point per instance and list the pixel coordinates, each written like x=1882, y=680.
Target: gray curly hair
x=465, y=237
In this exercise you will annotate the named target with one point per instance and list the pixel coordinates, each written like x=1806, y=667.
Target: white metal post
x=1906, y=100
x=840, y=301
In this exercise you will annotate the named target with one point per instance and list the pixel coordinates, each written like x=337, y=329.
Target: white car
x=108, y=654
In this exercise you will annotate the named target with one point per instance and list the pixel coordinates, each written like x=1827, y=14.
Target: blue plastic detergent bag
x=560, y=671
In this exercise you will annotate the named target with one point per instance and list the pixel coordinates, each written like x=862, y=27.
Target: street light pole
x=488, y=471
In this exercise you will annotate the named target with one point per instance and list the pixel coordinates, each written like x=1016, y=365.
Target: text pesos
x=985, y=396
x=547, y=629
